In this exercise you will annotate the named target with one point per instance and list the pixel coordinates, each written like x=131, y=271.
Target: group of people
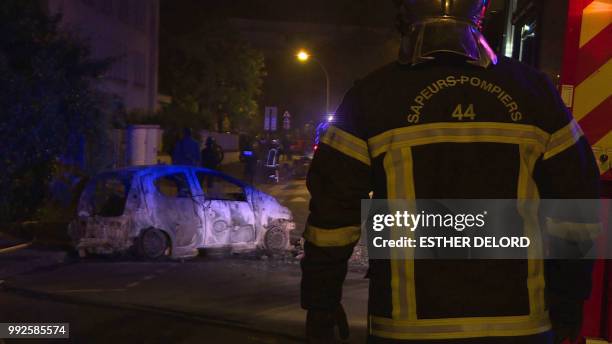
x=187, y=152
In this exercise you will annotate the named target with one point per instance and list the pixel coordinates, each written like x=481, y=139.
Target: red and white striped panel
x=586, y=77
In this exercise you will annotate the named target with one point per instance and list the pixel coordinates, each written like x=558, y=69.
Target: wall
x=126, y=30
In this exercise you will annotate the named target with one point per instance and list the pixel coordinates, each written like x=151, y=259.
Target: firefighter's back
x=448, y=120
x=448, y=130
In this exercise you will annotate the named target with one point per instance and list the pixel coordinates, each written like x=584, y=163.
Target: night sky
x=358, y=37
x=340, y=12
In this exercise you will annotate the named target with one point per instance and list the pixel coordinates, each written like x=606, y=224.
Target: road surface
x=238, y=299
x=242, y=300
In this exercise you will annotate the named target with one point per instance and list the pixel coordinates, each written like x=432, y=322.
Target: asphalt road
x=237, y=299
x=205, y=300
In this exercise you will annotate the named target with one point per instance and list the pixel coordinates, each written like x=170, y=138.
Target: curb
x=15, y=247
x=26, y=261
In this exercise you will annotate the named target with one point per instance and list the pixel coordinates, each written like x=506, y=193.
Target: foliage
x=173, y=118
x=48, y=103
x=211, y=73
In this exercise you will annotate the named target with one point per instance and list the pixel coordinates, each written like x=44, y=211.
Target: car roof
x=144, y=169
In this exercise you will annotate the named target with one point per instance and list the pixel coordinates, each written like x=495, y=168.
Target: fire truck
x=571, y=41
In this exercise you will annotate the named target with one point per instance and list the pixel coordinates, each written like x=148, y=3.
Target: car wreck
x=167, y=210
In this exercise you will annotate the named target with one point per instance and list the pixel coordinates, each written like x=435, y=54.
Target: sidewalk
x=20, y=256
x=6, y=242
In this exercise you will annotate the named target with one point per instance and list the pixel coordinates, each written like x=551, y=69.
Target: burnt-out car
x=167, y=210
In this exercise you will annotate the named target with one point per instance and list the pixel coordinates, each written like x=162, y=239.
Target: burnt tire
x=276, y=240
x=153, y=244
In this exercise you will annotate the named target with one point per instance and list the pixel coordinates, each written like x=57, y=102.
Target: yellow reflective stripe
x=332, y=237
x=346, y=143
x=592, y=91
x=457, y=132
x=572, y=230
x=527, y=192
x=595, y=18
x=450, y=328
x=408, y=259
x=400, y=185
x=390, y=162
x=563, y=139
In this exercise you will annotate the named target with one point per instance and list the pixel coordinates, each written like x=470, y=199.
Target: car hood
x=270, y=207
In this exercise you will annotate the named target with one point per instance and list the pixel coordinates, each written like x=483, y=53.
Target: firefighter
x=449, y=119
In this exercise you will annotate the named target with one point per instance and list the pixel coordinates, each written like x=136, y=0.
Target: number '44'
x=468, y=113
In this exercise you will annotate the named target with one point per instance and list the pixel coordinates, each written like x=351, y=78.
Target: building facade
x=125, y=30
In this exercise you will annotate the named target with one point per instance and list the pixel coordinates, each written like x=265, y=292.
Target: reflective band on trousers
x=430, y=329
x=347, y=144
x=323, y=237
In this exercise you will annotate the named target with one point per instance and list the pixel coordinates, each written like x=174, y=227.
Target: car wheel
x=276, y=239
x=153, y=244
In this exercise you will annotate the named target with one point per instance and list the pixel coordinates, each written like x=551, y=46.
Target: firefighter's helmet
x=433, y=27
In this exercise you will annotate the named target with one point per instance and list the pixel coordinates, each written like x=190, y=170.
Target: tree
x=211, y=74
x=48, y=101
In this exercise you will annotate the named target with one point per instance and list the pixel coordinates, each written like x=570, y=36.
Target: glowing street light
x=304, y=56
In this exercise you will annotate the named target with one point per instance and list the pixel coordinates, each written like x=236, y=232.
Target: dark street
x=230, y=299
x=237, y=300
x=321, y=172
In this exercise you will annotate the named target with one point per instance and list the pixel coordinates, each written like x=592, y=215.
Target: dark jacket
x=212, y=155
x=442, y=131
x=186, y=152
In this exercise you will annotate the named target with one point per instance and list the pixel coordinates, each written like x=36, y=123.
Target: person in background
x=286, y=147
x=212, y=154
x=250, y=161
x=186, y=151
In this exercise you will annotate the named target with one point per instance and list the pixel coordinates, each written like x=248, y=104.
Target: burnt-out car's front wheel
x=276, y=239
x=153, y=244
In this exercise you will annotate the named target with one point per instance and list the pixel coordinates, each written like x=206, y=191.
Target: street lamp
x=303, y=56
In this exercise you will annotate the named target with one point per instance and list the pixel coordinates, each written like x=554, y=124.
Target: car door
x=172, y=208
x=228, y=215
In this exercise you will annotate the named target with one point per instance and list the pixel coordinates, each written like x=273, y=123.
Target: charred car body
x=175, y=210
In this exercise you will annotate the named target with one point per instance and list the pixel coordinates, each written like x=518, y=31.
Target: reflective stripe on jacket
x=443, y=131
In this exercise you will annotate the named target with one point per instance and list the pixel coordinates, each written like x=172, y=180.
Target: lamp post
x=304, y=56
